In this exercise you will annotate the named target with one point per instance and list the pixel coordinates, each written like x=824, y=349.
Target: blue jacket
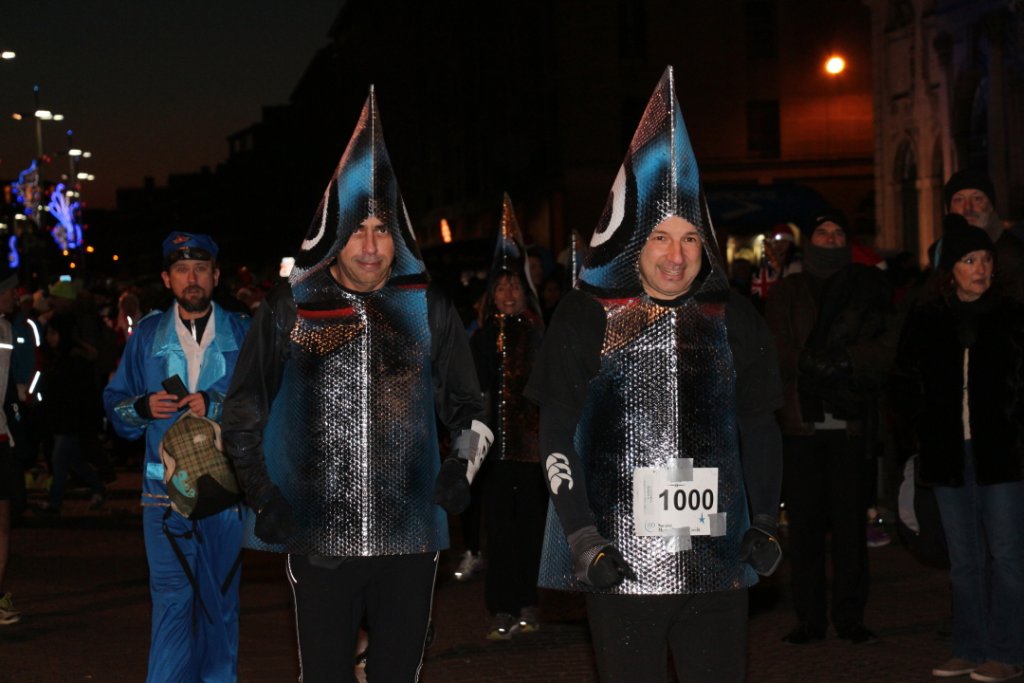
x=153, y=354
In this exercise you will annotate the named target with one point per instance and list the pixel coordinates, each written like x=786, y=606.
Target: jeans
x=985, y=532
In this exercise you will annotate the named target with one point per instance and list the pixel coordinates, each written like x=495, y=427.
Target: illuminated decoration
x=446, y=232
x=35, y=381
x=835, y=65
x=12, y=252
x=28, y=192
x=35, y=330
x=68, y=232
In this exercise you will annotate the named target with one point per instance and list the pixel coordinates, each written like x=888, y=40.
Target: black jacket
x=931, y=362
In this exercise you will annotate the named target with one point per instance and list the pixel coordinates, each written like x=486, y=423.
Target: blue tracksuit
x=178, y=652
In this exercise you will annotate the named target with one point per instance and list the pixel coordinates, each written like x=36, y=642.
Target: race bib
x=666, y=504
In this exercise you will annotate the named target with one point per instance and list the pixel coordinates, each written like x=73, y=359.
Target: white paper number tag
x=662, y=507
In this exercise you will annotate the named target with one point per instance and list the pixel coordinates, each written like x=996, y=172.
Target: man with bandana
x=652, y=380
x=193, y=565
x=331, y=422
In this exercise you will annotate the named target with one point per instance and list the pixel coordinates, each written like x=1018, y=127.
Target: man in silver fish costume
x=331, y=424
x=657, y=390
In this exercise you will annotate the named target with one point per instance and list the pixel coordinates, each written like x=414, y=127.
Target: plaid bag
x=199, y=476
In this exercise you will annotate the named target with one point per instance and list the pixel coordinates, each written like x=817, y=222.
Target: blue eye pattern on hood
x=510, y=256
x=363, y=185
x=658, y=179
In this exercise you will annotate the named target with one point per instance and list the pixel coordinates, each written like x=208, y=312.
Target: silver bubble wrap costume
x=350, y=438
x=516, y=342
x=351, y=441
x=665, y=391
x=664, y=396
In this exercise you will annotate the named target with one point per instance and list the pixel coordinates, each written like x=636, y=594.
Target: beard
x=194, y=300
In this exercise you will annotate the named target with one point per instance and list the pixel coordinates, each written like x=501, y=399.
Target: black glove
x=597, y=562
x=760, y=547
x=275, y=521
x=452, y=488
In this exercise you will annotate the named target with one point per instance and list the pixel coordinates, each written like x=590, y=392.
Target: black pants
x=515, y=509
x=823, y=491
x=470, y=517
x=707, y=633
x=394, y=592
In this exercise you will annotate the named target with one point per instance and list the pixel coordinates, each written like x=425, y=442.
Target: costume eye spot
x=618, y=210
x=315, y=240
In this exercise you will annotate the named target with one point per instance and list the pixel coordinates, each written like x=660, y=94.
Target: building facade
x=949, y=95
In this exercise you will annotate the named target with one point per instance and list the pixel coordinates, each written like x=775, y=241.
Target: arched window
x=906, y=178
x=977, y=137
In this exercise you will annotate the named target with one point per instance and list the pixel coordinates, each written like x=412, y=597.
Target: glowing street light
x=7, y=55
x=835, y=65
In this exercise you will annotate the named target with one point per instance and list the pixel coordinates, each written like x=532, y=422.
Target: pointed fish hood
x=657, y=179
x=363, y=185
x=510, y=255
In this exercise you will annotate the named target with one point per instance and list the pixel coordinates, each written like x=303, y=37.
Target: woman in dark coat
x=964, y=348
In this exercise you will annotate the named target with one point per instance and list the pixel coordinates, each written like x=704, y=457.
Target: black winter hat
x=968, y=179
x=829, y=216
x=960, y=238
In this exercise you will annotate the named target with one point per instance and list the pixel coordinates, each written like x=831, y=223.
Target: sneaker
x=469, y=566
x=877, y=536
x=993, y=672
x=528, y=621
x=501, y=627
x=858, y=635
x=954, y=667
x=8, y=615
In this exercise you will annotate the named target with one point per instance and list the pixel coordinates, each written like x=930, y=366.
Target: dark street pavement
x=80, y=581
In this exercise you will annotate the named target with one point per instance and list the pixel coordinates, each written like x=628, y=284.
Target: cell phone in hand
x=174, y=385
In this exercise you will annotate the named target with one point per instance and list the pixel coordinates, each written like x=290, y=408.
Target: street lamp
x=835, y=65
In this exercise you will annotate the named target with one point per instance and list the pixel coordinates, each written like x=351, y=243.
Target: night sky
x=150, y=87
